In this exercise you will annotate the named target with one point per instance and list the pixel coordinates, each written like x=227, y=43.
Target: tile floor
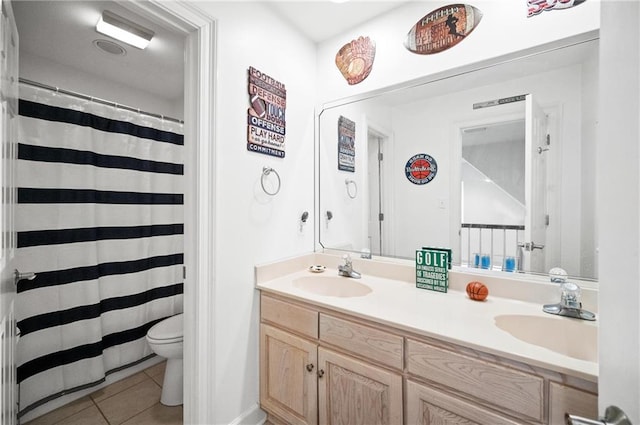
x=133, y=400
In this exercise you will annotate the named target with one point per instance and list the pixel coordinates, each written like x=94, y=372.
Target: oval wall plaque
x=442, y=29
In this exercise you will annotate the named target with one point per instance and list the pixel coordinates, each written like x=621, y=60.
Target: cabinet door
x=563, y=399
x=355, y=393
x=288, y=380
x=428, y=406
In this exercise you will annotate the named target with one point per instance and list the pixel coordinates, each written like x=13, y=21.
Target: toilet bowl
x=165, y=339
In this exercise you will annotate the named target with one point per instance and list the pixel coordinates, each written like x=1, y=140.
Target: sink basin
x=570, y=337
x=332, y=286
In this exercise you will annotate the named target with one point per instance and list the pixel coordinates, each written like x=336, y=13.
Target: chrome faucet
x=346, y=269
x=570, y=304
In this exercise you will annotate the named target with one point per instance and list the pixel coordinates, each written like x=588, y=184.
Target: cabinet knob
x=320, y=373
x=310, y=367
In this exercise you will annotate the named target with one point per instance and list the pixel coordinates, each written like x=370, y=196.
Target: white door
x=375, y=194
x=8, y=133
x=535, y=181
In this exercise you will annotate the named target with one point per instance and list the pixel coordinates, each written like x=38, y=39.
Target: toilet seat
x=167, y=331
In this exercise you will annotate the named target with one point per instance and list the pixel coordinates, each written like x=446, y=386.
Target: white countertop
x=450, y=317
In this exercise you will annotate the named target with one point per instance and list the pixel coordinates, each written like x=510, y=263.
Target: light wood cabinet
x=506, y=388
x=288, y=383
x=428, y=406
x=353, y=392
x=564, y=399
x=302, y=382
x=320, y=366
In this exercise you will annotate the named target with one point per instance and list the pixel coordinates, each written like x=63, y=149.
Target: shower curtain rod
x=97, y=100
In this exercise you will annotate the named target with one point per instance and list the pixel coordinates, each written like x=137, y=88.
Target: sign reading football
x=266, y=124
x=346, y=144
x=421, y=169
x=442, y=29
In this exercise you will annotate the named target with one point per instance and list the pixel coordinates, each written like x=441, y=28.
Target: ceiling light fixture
x=124, y=30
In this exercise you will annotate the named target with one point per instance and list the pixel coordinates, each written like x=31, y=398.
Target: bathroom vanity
x=377, y=350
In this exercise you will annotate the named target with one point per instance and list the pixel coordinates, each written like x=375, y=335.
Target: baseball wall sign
x=442, y=29
x=355, y=59
x=421, y=169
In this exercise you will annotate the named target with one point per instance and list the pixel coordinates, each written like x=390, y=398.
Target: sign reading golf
x=432, y=271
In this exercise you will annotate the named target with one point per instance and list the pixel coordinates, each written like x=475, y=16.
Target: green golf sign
x=432, y=269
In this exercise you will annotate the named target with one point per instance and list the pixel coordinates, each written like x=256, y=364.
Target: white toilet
x=165, y=339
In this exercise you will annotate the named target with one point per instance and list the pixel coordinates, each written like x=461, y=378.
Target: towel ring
x=265, y=172
x=352, y=193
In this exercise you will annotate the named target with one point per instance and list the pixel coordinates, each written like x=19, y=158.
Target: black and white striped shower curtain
x=100, y=221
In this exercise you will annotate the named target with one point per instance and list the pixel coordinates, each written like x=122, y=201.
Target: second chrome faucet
x=346, y=269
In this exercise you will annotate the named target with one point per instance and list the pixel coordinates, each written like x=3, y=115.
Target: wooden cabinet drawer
x=289, y=316
x=428, y=406
x=368, y=342
x=503, y=387
x=563, y=399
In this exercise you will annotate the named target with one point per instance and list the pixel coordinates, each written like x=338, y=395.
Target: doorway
x=197, y=29
x=378, y=214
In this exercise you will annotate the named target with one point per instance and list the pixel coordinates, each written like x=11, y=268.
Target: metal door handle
x=612, y=416
x=530, y=246
x=310, y=367
x=18, y=275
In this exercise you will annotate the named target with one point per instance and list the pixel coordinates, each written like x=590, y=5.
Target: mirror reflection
x=496, y=164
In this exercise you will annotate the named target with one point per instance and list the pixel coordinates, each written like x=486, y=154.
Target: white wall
x=504, y=29
x=252, y=227
x=618, y=200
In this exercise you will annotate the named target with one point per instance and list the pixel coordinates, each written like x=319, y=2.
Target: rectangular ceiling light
x=124, y=30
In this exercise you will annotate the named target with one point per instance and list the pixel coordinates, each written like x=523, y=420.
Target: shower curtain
x=99, y=219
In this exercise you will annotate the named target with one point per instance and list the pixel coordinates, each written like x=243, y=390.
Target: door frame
x=199, y=30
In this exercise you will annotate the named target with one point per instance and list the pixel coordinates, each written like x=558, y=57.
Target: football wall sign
x=421, y=169
x=346, y=144
x=535, y=7
x=442, y=29
x=266, y=123
x=355, y=59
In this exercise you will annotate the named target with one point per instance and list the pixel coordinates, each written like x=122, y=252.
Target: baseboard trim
x=252, y=416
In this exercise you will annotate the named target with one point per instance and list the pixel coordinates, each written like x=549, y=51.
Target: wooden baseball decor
x=442, y=29
x=355, y=59
x=477, y=291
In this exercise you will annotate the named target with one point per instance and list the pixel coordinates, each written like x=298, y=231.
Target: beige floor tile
x=130, y=402
x=157, y=369
x=158, y=415
x=63, y=412
x=116, y=387
x=157, y=372
x=89, y=416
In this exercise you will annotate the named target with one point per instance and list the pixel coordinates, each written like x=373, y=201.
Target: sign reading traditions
x=266, y=123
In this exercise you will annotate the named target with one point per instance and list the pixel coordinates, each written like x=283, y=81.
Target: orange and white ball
x=477, y=291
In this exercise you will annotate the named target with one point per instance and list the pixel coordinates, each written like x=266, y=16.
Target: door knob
x=530, y=246
x=310, y=367
x=18, y=276
x=612, y=416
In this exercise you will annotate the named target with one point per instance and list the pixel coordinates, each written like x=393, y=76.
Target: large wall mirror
x=502, y=159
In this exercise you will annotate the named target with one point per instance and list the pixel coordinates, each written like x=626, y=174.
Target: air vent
x=110, y=47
